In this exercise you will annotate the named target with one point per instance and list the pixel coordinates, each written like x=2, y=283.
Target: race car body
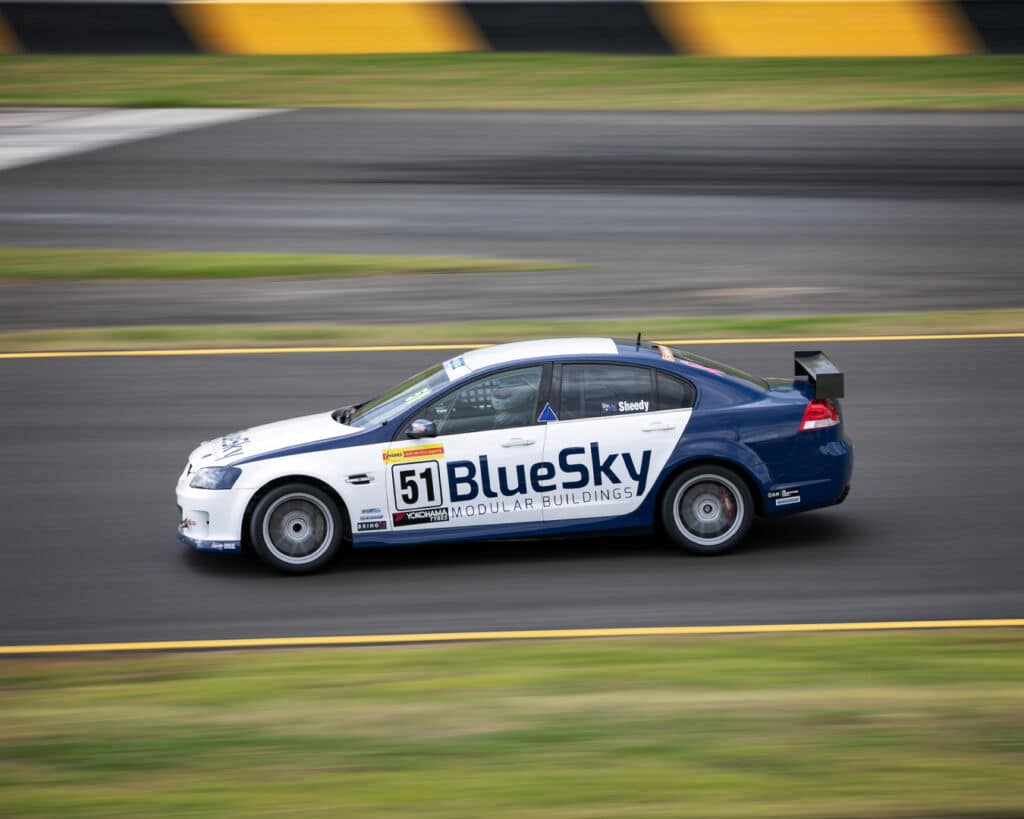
x=548, y=437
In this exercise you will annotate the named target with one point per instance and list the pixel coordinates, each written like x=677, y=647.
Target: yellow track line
x=383, y=348
x=388, y=348
x=838, y=339
x=535, y=634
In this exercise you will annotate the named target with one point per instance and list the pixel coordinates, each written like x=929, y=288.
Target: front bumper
x=210, y=520
x=210, y=545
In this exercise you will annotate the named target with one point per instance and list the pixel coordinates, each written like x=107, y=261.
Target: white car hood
x=266, y=438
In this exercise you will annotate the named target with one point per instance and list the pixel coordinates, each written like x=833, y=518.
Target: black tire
x=707, y=510
x=297, y=528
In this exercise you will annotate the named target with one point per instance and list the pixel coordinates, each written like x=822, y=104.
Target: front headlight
x=215, y=477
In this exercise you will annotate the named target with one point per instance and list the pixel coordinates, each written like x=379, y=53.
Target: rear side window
x=605, y=390
x=674, y=393
x=718, y=367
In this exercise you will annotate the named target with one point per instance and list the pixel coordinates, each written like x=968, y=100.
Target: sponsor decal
x=232, y=445
x=502, y=507
x=428, y=492
x=186, y=523
x=417, y=485
x=420, y=393
x=422, y=452
x=575, y=468
x=415, y=517
x=557, y=500
x=218, y=546
x=456, y=367
x=547, y=414
x=371, y=519
x=666, y=353
x=784, y=497
x=374, y=513
x=634, y=406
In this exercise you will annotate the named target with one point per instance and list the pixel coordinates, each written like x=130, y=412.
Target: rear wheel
x=707, y=510
x=296, y=528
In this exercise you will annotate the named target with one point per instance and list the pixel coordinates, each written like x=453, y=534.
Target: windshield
x=710, y=364
x=392, y=403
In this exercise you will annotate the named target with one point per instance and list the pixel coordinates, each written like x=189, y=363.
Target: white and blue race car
x=547, y=437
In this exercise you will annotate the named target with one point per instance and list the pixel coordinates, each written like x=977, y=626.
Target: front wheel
x=707, y=510
x=296, y=528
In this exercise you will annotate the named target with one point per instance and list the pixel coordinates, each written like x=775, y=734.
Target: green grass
x=459, y=334
x=881, y=725
x=30, y=263
x=515, y=81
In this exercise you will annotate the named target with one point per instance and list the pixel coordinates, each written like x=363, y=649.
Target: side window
x=604, y=390
x=507, y=399
x=674, y=393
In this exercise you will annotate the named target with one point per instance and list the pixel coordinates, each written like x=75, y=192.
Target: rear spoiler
x=826, y=377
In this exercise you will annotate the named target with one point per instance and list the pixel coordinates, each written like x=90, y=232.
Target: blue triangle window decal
x=547, y=414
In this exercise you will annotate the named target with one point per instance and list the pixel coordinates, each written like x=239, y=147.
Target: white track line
x=28, y=136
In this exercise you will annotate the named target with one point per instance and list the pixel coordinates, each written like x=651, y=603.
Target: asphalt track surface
x=677, y=214
x=92, y=449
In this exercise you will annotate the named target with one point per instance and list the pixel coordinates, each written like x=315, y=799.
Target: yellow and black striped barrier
x=728, y=28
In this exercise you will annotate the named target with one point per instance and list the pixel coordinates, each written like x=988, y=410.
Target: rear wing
x=826, y=377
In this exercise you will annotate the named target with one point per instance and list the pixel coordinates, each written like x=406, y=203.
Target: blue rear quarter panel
x=756, y=432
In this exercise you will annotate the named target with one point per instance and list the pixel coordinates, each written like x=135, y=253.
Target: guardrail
x=730, y=28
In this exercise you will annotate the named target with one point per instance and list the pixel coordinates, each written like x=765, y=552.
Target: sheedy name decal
x=576, y=468
x=634, y=406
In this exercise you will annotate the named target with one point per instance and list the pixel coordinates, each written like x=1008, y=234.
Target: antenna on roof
x=638, y=340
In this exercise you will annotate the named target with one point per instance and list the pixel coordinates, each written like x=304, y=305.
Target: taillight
x=821, y=413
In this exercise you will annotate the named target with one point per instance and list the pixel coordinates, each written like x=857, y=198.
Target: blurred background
x=180, y=180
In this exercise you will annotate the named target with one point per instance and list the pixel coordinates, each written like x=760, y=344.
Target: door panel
x=608, y=464
x=614, y=436
x=472, y=479
x=479, y=470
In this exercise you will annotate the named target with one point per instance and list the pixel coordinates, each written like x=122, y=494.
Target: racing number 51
x=417, y=486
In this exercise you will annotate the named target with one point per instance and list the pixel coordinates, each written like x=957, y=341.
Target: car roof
x=484, y=358
x=628, y=351
x=487, y=357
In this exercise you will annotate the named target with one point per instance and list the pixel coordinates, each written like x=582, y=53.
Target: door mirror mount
x=422, y=428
